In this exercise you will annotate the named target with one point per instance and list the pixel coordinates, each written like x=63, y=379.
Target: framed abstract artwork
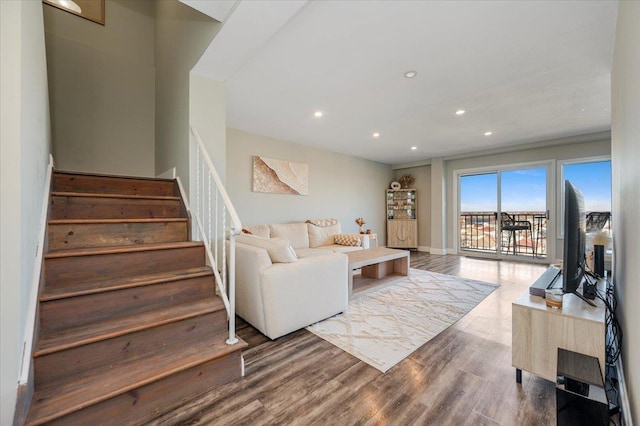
x=280, y=176
x=92, y=10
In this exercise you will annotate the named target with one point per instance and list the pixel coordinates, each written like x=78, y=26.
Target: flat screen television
x=573, y=262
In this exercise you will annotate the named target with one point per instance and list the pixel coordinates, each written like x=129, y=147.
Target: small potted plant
x=406, y=180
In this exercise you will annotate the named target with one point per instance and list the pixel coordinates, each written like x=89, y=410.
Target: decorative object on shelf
x=360, y=221
x=395, y=185
x=280, y=176
x=368, y=231
x=406, y=180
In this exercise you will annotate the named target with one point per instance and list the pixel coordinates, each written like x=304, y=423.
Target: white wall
x=102, y=88
x=208, y=114
x=340, y=186
x=625, y=153
x=24, y=151
x=181, y=35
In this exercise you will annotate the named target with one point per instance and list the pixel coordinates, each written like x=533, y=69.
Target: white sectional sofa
x=289, y=276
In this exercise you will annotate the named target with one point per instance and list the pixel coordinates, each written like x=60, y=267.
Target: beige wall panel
x=340, y=186
x=24, y=152
x=182, y=34
x=102, y=89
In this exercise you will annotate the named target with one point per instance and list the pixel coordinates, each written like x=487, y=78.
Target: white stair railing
x=213, y=209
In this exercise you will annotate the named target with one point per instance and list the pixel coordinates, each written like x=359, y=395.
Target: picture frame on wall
x=93, y=10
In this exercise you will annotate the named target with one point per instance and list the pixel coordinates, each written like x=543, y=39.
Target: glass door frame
x=550, y=166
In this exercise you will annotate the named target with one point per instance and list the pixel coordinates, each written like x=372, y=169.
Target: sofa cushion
x=258, y=230
x=279, y=249
x=322, y=235
x=309, y=252
x=296, y=233
x=347, y=240
x=337, y=248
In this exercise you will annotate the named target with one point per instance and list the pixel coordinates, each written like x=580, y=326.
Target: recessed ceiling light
x=488, y=133
x=317, y=114
x=460, y=112
x=414, y=148
x=376, y=135
x=410, y=74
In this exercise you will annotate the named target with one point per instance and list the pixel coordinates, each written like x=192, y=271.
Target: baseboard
x=23, y=401
x=623, y=396
x=437, y=251
x=424, y=249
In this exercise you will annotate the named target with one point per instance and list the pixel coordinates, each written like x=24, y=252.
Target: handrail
x=237, y=225
x=206, y=200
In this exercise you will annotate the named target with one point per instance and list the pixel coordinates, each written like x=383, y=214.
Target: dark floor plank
x=462, y=376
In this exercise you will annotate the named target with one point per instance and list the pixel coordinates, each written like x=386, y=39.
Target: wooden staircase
x=128, y=321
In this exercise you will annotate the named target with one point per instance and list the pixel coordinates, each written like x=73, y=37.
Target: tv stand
x=538, y=332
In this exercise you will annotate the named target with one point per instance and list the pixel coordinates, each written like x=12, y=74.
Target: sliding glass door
x=504, y=212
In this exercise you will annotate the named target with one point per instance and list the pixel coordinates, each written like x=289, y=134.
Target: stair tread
x=57, y=340
x=91, y=251
x=103, y=195
x=106, y=175
x=122, y=283
x=119, y=220
x=64, y=398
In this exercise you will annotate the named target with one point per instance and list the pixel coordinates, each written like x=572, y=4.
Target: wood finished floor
x=461, y=377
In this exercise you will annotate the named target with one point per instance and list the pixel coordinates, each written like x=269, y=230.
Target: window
x=593, y=178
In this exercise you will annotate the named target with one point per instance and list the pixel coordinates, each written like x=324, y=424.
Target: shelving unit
x=402, y=218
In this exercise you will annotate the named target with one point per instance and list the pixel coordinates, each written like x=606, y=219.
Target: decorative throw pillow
x=347, y=240
x=322, y=235
x=279, y=249
x=323, y=222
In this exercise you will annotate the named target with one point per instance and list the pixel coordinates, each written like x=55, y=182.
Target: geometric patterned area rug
x=384, y=327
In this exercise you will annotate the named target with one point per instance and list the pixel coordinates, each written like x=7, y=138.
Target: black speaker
x=598, y=260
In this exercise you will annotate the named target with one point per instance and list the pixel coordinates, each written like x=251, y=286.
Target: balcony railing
x=481, y=231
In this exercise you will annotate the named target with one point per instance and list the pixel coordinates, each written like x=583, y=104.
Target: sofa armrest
x=295, y=295
x=250, y=262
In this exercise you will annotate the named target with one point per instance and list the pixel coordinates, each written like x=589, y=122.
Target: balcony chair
x=597, y=220
x=511, y=225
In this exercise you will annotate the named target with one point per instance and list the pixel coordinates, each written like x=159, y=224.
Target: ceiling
x=527, y=71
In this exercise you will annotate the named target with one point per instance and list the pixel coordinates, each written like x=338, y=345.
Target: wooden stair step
x=49, y=294
x=123, y=185
x=78, y=205
x=76, y=233
x=114, y=196
x=95, y=251
x=58, y=340
x=94, y=308
x=64, y=268
x=115, y=220
x=81, y=360
x=54, y=402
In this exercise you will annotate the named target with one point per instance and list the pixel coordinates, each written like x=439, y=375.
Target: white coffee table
x=379, y=267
